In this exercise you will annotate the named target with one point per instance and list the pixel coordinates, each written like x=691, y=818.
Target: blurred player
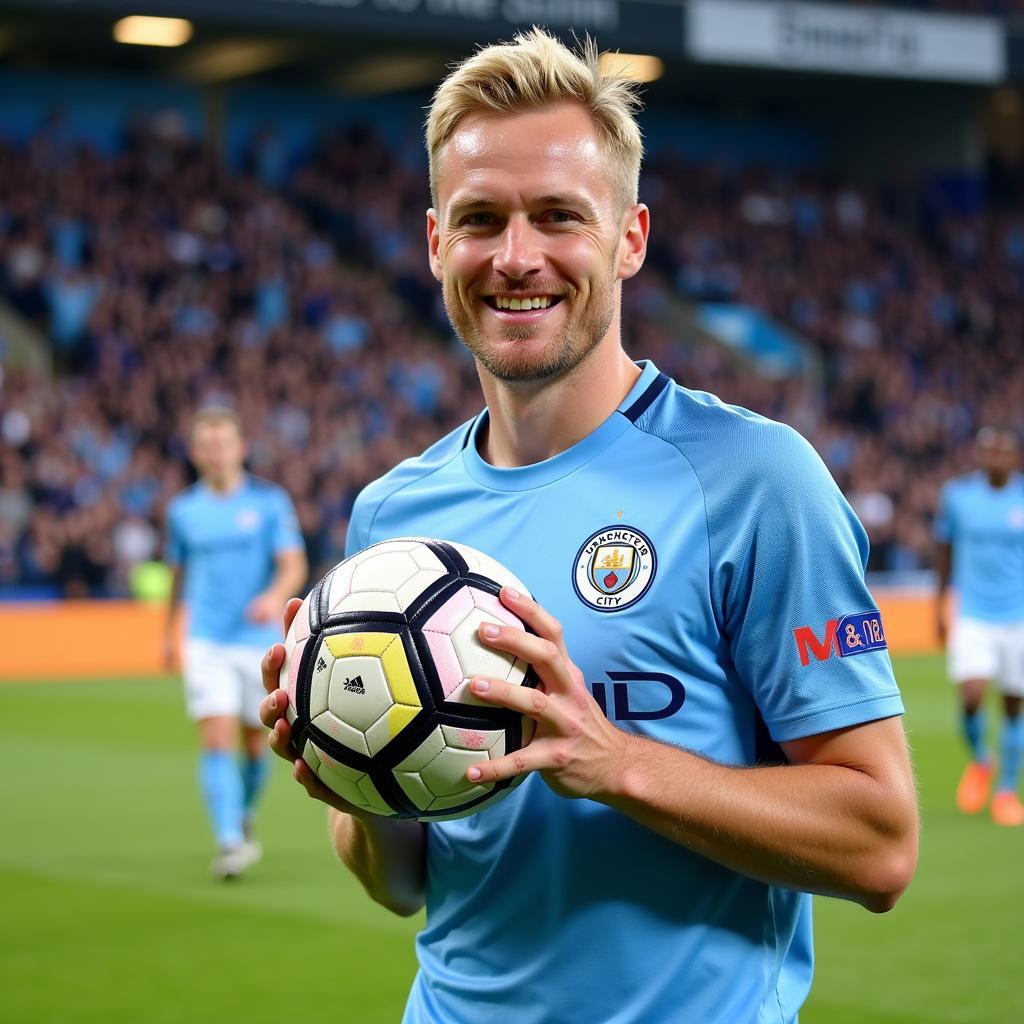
x=717, y=724
x=980, y=534
x=237, y=554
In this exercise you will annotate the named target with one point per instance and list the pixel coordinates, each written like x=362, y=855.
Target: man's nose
x=519, y=252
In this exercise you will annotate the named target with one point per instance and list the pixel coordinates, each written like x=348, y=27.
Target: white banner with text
x=847, y=40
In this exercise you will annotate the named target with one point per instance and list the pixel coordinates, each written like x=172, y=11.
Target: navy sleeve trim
x=643, y=403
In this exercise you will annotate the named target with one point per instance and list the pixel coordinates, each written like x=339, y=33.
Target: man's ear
x=633, y=243
x=434, y=244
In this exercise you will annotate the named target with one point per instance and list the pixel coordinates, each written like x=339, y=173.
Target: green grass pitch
x=107, y=913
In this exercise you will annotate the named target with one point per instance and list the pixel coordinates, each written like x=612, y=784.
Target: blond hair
x=537, y=70
x=214, y=415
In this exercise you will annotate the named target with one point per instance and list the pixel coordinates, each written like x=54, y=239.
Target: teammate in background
x=980, y=533
x=236, y=552
x=653, y=868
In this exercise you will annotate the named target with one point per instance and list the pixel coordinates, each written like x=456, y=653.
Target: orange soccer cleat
x=972, y=793
x=1007, y=809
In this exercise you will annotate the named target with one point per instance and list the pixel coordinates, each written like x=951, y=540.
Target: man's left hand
x=265, y=607
x=576, y=749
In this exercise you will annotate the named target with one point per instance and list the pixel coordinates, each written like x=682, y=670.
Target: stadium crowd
x=302, y=297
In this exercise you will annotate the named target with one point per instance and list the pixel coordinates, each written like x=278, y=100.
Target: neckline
x=226, y=495
x=538, y=474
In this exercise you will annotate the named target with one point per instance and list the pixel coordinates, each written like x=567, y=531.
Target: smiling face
x=530, y=240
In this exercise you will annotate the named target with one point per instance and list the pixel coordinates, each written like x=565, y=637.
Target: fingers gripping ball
x=377, y=667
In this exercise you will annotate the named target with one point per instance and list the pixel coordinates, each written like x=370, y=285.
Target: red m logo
x=807, y=643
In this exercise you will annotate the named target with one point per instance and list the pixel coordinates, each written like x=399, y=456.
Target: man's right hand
x=171, y=660
x=273, y=716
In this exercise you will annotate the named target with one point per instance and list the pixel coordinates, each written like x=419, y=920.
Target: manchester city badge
x=614, y=568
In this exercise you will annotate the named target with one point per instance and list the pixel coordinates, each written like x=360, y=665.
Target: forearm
x=173, y=602
x=388, y=858
x=289, y=575
x=830, y=829
x=943, y=567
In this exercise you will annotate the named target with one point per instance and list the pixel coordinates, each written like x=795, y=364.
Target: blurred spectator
x=299, y=292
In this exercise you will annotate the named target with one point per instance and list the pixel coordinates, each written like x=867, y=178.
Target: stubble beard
x=574, y=343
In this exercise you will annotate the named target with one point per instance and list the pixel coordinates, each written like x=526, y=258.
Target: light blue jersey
x=985, y=526
x=226, y=543
x=708, y=574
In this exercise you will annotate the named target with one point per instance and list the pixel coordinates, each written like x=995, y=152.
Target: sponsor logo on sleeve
x=849, y=635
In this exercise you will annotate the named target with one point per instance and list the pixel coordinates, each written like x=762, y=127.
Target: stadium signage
x=643, y=25
x=824, y=37
x=587, y=14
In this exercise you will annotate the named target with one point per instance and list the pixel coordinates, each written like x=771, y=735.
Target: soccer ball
x=377, y=670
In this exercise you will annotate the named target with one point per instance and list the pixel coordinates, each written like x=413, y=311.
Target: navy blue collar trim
x=641, y=405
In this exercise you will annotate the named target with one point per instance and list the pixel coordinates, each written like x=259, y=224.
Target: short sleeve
x=286, y=535
x=790, y=574
x=358, y=536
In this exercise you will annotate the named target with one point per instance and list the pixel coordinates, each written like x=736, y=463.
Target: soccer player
x=718, y=727
x=979, y=531
x=236, y=552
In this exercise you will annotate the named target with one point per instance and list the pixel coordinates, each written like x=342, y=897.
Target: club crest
x=247, y=519
x=614, y=568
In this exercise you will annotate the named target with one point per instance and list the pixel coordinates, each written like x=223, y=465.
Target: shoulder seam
x=707, y=525
x=401, y=487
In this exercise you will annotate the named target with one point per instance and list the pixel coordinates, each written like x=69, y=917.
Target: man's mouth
x=521, y=303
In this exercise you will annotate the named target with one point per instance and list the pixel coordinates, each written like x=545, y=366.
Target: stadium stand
x=163, y=280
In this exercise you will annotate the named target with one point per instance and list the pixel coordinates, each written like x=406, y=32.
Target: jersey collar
x=524, y=478
x=205, y=488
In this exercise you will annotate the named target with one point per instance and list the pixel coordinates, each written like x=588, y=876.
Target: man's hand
x=265, y=607
x=272, y=714
x=170, y=653
x=576, y=749
x=386, y=855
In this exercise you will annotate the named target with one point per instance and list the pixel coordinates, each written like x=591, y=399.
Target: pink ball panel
x=490, y=604
x=302, y=622
x=293, y=671
x=445, y=660
x=452, y=612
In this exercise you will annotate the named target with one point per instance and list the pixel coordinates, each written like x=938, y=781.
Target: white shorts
x=223, y=680
x=988, y=650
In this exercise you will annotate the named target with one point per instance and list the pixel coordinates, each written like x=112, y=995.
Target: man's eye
x=561, y=217
x=476, y=220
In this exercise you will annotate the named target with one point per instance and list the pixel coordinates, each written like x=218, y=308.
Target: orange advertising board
x=74, y=639
x=79, y=639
